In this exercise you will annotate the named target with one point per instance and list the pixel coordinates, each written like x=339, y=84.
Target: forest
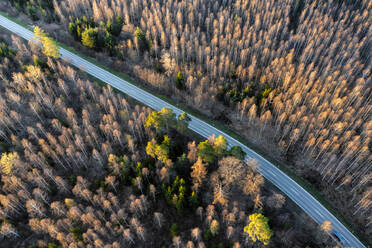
x=292, y=76
x=84, y=166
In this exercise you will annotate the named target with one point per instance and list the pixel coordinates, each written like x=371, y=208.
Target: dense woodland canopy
x=292, y=76
x=83, y=166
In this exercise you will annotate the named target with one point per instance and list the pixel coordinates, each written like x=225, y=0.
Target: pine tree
x=180, y=81
x=258, y=228
x=162, y=152
x=220, y=145
x=193, y=200
x=50, y=47
x=155, y=119
x=237, y=152
x=183, y=122
x=139, y=34
x=180, y=203
x=109, y=42
x=117, y=26
x=206, y=152
x=151, y=148
x=89, y=37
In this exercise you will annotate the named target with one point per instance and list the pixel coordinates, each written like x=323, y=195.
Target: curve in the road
x=289, y=187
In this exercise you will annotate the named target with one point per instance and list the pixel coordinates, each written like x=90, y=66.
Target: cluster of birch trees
x=75, y=171
x=294, y=72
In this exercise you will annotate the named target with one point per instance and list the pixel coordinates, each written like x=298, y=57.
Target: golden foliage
x=50, y=47
x=7, y=162
x=258, y=228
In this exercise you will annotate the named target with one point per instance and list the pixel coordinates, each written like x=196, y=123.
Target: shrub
x=174, y=229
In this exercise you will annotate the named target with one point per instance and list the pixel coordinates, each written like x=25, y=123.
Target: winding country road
x=289, y=187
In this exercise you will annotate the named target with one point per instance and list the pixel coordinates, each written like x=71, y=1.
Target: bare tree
x=196, y=234
x=158, y=219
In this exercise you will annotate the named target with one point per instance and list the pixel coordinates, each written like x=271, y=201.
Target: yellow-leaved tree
x=50, y=48
x=258, y=228
x=214, y=227
x=220, y=145
x=70, y=202
x=8, y=161
x=161, y=152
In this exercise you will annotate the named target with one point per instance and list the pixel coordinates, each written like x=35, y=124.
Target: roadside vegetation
x=84, y=166
x=293, y=77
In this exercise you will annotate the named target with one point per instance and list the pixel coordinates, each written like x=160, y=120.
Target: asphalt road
x=289, y=187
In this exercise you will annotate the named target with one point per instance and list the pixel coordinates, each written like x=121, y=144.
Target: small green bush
x=77, y=233
x=174, y=230
x=207, y=235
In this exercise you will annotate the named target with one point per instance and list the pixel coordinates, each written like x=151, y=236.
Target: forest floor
x=262, y=147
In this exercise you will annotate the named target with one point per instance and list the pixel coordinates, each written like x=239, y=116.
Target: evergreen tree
x=155, y=120
x=183, y=122
x=117, y=26
x=193, y=200
x=89, y=37
x=72, y=29
x=180, y=81
x=169, y=117
x=109, y=42
x=139, y=34
x=258, y=228
x=220, y=145
x=50, y=47
x=151, y=148
x=237, y=152
x=180, y=203
x=174, y=230
x=160, y=152
x=206, y=152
